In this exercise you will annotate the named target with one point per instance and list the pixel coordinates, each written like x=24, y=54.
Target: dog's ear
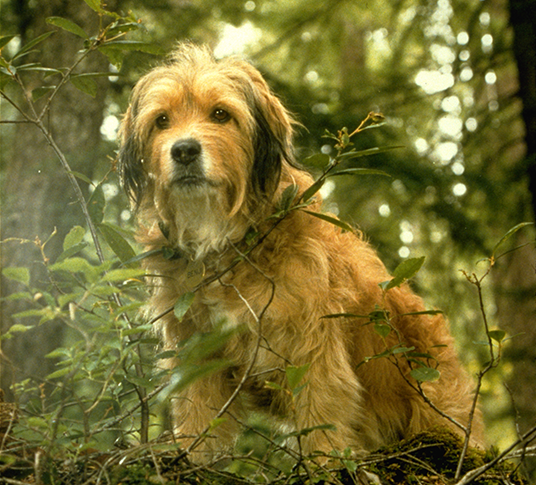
x=272, y=137
x=130, y=159
x=269, y=155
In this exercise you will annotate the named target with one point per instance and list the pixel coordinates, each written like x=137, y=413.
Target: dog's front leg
x=328, y=413
x=194, y=412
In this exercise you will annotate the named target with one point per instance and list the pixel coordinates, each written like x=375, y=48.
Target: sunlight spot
x=327, y=189
x=451, y=126
x=464, y=55
x=451, y=104
x=406, y=237
x=487, y=43
x=459, y=189
x=457, y=168
x=404, y=252
x=235, y=40
x=384, y=210
x=442, y=54
x=471, y=124
x=436, y=236
x=462, y=38
x=109, y=128
x=490, y=77
x=446, y=151
x=312, y=76
x=466, y=74
x=432, y=82
x=320, y=109
x=484, y=19
x=493, y=105
x=421, y=145
x=110, y=190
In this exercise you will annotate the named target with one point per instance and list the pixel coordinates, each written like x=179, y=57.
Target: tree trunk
x=516, y=282
x=523, y=20
x=38, y=198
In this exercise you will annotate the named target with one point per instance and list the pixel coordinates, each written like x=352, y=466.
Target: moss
x=433, y=456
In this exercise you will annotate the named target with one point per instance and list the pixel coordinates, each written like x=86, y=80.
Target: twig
x=469, y=477
x=493, y=362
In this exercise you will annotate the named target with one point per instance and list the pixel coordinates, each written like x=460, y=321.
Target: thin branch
x=469, y=477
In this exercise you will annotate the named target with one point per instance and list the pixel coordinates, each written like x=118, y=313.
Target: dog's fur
x=206, y=154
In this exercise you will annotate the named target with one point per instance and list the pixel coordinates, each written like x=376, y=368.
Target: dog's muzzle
x=187, y=157
x=186, y=152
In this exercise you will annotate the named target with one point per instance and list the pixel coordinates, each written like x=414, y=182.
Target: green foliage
x=105, y=387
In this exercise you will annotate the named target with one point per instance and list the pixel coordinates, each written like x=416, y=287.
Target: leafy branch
x=113, y=28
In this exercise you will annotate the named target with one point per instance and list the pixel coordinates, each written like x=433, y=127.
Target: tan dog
x=206, y=154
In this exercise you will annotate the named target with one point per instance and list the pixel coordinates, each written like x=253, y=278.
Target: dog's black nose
x=186, y=151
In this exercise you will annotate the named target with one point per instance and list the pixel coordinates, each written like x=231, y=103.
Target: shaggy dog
x=206, y=155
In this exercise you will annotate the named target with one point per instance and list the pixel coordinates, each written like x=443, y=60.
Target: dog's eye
x=220, y=115
x=162, y=122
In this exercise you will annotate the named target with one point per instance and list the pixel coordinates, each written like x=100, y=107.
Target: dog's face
x=203, y=143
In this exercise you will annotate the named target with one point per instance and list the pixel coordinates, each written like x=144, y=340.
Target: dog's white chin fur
x=200, y=222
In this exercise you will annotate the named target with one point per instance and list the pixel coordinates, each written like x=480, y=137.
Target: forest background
x=455, y=80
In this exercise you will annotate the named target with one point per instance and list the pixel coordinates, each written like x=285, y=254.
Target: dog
x=206, y=155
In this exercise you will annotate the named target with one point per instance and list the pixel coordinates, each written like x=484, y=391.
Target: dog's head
x=203, y=142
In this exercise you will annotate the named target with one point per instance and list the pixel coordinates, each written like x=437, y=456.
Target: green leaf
x=359, y=171
x=67, y=25
x=403, y=272
x=313, y=189
x=22, y=275
x=306, y=431
x=5, y=39
x=77, y=265
x=426, y=312
x=119, y=245
x=19, y=295
x=319, y=160
x=71, y=251
x=296, y=374
x=331, y=220
x=41, y=91
x=114, y=56
x=273, y=385
x=185, y=375
x=96, y=204
x=81, y=176
x=74, y=237
x=183, y=304
x=509, y=234
x=367, y=152
x=30, y=45
x=121, y=28
x=36, y=422
x=95, y=5
x=41, y=312
x=85, y=83
x=382, y=329
x=344, y=315
x=142, y=256
x=497, y=335
x=59, y=373
x=122, y=274
x=287, y=197
x=425, y=374
x=133, y=45
x=18, y=328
